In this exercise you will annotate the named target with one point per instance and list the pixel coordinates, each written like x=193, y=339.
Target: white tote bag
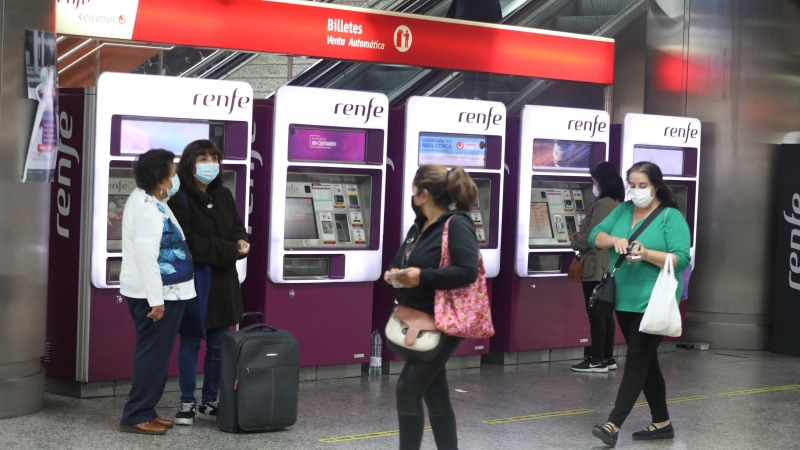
x=662, y=316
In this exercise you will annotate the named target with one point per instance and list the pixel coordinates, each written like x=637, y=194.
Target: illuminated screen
x=452, y=150
x=327, y=144
x=669, y=160
x=300, y=222
x=563, y=155
x=140, y=135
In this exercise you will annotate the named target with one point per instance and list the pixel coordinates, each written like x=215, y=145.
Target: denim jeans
x=187, y=365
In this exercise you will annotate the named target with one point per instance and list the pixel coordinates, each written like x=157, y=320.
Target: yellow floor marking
x=539, y=416
x=356, y=437
x=758, y=391
x=675, y=400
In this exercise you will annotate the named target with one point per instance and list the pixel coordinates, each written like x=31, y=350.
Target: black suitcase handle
x=252, y=314
x=257, y=326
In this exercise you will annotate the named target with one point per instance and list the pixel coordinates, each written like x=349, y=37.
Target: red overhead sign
x=339, y=32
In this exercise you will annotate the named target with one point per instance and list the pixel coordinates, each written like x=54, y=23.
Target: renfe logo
x=685, y=133
x=64, y=150
x=77, y=3
x=585, y=125
x=223, y=100
x=481, y=118
x=367, y=111
x=794, y=241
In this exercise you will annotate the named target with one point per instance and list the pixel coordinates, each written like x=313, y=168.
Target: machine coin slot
x=113, y=269
x=306, y=268
x=342, y=228
x=571, y=225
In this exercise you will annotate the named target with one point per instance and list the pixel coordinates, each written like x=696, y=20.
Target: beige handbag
x=412, y=334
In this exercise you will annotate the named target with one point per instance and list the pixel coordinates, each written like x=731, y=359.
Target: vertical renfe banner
x=40, y=64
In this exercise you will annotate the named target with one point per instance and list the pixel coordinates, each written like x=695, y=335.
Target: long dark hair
x=653, y=172
x=609, y=181
x=447, y=186
x=189, y=160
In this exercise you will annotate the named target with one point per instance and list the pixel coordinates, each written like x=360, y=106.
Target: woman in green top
x=666, y=236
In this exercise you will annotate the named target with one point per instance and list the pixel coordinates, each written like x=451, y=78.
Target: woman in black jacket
x=439, y=195
x=216, y=237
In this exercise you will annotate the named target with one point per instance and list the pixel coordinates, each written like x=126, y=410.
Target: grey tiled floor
x=765, y=420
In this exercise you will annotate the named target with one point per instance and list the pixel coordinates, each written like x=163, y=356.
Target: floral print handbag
x=463, y=312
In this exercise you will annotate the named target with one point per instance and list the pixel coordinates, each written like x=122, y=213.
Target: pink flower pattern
x=463, y=312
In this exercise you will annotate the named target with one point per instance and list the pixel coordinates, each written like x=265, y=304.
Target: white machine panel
x=334, y=109
x=551, y=124
x=472, y=121
x=161, y=97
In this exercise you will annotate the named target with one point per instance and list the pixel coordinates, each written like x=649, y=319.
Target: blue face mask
x=207, y=172
x=176, y=184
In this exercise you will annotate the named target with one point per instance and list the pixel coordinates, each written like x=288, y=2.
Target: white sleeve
x=149, y=227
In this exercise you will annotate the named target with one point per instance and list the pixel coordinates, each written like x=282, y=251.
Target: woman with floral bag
x=441, y=200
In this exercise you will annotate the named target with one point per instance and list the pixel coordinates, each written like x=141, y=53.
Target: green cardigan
x=635, y=281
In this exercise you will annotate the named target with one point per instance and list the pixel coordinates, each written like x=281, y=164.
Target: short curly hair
x=152, y=168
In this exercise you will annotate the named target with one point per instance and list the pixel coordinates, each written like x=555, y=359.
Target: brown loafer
x=164, y=422
x=143, y=428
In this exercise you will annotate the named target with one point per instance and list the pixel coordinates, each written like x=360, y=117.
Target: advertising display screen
x=300, y=222
x=140, y=135
x=562, y=155
x=452, y=150
x=669, y=160
x=327, y=145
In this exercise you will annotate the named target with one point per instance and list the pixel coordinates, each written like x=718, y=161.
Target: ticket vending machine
x=320, y=197
x=539, y=314
x=90, y=334
x=450, y=132
x=672, y=143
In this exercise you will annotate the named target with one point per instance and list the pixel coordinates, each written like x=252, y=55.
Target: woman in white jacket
x=157, y=274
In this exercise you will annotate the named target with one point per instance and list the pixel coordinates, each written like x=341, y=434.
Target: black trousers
x=642, y=372
x=602, y=329
x=154, y=343
x=427, y=380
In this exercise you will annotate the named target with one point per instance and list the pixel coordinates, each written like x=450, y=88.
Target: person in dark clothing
x=609, y=191
x=217, y=237
x=439, y=195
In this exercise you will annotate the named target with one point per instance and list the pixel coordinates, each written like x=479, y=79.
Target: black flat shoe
x=604, y=434
x=666, y=432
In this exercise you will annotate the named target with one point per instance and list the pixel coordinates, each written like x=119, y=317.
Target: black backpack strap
x=639, y=231
x=188, y=207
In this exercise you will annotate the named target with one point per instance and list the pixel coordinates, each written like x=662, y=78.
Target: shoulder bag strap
x=444, y=261
x=639, y=231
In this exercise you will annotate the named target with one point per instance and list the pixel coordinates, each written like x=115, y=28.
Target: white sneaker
x=186, y=415
x=208, y=410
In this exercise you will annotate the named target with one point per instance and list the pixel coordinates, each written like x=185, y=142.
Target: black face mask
x=417, y=209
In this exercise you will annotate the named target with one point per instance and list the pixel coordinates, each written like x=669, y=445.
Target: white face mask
x=595, y=191
x=642, y=197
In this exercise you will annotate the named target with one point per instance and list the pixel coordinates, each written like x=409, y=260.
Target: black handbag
x=604, y=295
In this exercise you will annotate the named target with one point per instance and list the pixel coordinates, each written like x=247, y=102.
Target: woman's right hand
x=156, y=313
x=386, y=275
x=621, y=246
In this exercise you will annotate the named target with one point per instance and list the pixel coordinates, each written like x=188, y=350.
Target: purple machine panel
x=331, y=320
x=550, y=315
x=327, y=145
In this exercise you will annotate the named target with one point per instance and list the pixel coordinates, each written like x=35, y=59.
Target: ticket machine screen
x=327, y=211
x=327, y=144
x=138, y=135
x=557, y=211
x=452, y=150
x=562, y=155
x=668, y=159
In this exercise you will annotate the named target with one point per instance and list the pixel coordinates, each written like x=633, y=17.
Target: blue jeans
x=187, y=365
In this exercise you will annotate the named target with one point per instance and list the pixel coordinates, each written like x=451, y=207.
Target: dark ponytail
x=447, y=187
x=461, y=189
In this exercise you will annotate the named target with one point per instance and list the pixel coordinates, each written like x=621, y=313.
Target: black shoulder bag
x=604, y=296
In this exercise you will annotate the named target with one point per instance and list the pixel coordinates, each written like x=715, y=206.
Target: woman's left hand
x=637, y=254
x=244, y=247
x=410, y=278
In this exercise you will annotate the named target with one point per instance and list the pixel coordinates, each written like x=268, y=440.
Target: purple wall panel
x=615, y=145
x=63, y=267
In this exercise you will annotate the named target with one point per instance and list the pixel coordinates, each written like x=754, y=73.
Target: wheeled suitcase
x=260, y=379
